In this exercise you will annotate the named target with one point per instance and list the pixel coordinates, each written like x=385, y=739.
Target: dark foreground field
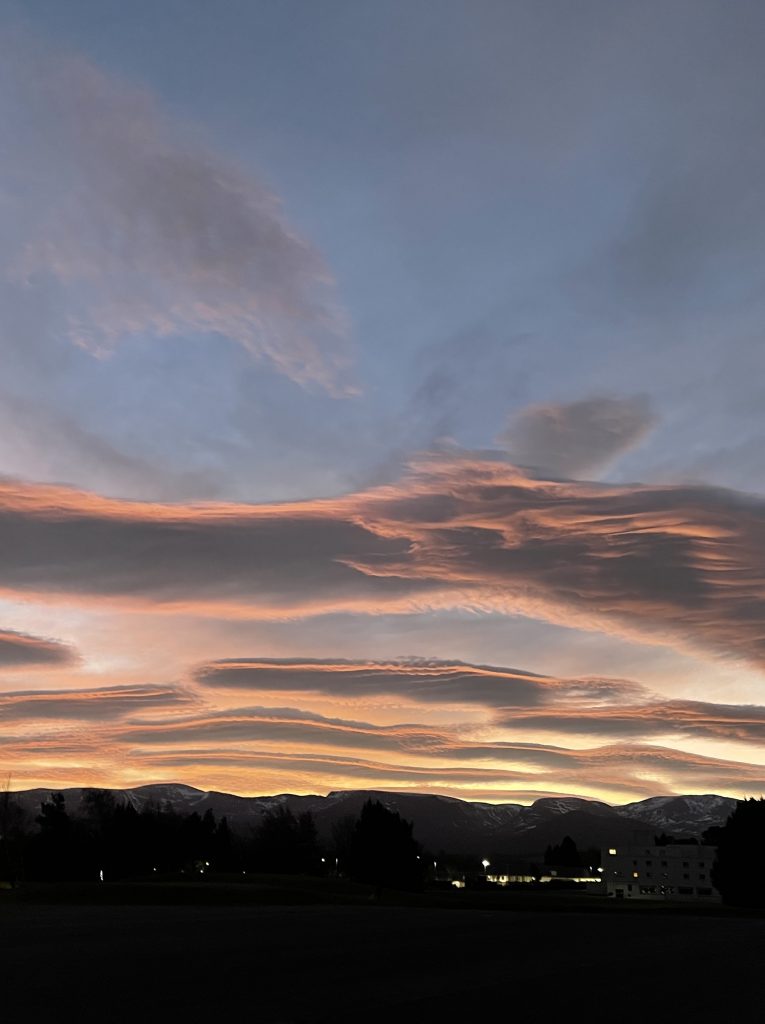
x=373, y=963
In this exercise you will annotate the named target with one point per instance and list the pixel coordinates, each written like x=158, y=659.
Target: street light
x=485, y=864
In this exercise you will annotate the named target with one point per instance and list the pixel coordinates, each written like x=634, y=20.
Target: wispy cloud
x=575, y=439
x=121, y=222
x=676, y=565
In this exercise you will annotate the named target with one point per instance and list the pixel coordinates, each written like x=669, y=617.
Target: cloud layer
x=421, y=680
x=666, y=564
x=277, y=749
x=95, y=704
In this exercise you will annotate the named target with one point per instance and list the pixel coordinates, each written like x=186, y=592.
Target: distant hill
x=445, y=823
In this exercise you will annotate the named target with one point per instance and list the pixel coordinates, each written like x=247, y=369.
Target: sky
x=383, y=396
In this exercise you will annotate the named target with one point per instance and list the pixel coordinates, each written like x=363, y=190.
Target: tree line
x=109, y=839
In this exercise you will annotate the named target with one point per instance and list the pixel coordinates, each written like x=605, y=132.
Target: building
x=505, y=879
x=650, y=872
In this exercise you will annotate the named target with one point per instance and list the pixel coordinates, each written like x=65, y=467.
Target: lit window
x=635, y=874
x=612, y=852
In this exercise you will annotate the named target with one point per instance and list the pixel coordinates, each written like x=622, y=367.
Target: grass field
x=345, y=963
x=175, y=952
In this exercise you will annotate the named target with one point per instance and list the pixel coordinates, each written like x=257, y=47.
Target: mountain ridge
x=440, y=822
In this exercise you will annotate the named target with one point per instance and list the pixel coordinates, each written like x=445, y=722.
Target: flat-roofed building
x=649, y=872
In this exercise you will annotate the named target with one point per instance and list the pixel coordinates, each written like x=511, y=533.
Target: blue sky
x=262, y=252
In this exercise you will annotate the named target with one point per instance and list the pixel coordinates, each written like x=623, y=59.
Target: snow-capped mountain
x=444, y=823
x=680, y=815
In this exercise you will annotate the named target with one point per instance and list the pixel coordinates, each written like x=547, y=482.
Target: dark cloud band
x=19, y=650
x=675, y=565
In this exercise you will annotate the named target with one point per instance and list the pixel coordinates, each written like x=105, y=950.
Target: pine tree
x=382, y=850
x=739, y=870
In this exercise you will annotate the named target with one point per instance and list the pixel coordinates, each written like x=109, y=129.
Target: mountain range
x=444, y=823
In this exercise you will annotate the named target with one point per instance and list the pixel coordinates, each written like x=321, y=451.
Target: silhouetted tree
x=223, y=856
x=308, y=853
x=382, y=850
x=712, y=835
x=342, y=837
x=285, y=844
x=739, y=869
x=590, y=857
x=12, y=836
x=564, y=854
x=54, y=852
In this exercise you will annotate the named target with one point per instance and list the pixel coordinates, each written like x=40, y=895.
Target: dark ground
x=374, y=963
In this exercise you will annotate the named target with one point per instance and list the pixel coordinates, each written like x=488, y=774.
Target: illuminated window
x=612, y=851
x=634, y=874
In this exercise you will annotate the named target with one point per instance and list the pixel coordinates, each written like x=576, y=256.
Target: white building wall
x=659, y=872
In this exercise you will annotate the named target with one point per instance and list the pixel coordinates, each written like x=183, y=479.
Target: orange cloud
x=420, y=680
x=676, y=565
x=97, y=704
x=20, y=650
x=687, y=718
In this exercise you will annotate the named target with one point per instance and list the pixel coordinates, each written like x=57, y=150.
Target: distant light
x=601, y=870
x=635, y=874
x=485, y=863
x=101, y=874
x=207, y=863
x=457, y=884
x=612, y=851
x=153, y=869
x=324, y=860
